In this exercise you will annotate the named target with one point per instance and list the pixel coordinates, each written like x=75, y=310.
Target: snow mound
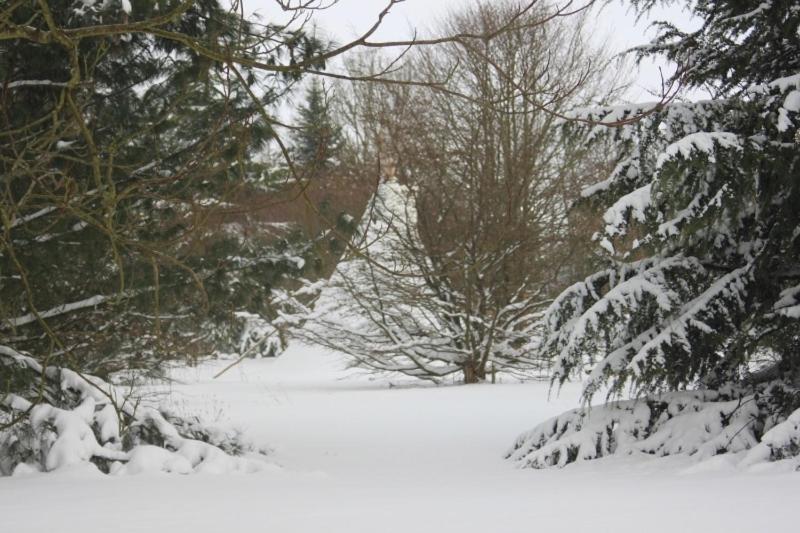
x=81, y=420
x=700, y=424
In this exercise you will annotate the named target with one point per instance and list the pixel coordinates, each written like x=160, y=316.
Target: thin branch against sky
x=616, y=25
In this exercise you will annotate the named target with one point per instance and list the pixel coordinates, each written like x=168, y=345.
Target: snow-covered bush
x=69, y=419
x=700, y=290
x=379, y=309
x=259, y=337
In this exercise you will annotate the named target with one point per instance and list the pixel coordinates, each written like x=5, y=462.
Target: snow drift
x=82, y=420
x=701, y=424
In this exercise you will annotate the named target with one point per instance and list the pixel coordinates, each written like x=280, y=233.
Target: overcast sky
x=350, y=18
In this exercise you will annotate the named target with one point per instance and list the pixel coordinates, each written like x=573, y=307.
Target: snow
x=777, y=441
x=153, y=459
x=601, y=186
x=790, y=104
x=703, y=142
x=635, y=203
x=606, y=245
x=789, y=303
x=76, y=443
x=700, y=424
x=58, y=438
x=792, y=101
x=60, y=310
x=782, y=84
x=762, y=7
x=360, y=456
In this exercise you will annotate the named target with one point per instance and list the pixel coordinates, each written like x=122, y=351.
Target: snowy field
x=354, y=454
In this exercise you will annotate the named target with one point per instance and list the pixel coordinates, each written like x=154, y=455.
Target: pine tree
x=319, y=178
x=122, y=157
x=701, y=228
x=127, y=174
x=318, y=136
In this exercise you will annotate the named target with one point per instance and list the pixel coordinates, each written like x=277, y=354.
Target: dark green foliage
x=739, y=44
x=318, y=137
x=702, y=287
x=117, y=174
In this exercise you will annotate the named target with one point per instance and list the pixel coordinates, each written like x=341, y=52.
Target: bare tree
x=484, y=235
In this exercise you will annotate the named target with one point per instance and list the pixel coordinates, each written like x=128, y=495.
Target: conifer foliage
x=702, y=288
x=123, y=148
x=317, y=136
x=120, y=159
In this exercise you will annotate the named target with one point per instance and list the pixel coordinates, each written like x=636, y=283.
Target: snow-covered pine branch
x=697, y=423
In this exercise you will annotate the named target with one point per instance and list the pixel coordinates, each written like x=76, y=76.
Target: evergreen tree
x=318, y=136
x=321, y=182
x=124, y=158
x=120, y=159
x=701, y=289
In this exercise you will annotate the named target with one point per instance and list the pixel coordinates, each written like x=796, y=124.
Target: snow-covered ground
x=357, y=455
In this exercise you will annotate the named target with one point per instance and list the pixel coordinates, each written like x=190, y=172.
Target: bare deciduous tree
x=485, y=237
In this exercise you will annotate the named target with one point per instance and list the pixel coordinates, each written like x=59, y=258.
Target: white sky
x=350, y=18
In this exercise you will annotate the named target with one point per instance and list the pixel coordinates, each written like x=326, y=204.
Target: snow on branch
x=634, y=203
x=701, y=424
x=701, y=142
x=58, y=310
x=594, y=318
x=82, y=419
x=391, y=311
x=780, y=442
x=672, y=332
x=788, y=304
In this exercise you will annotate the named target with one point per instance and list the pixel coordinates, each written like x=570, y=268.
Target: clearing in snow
x=355, y=453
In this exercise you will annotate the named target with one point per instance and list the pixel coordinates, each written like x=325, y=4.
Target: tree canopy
x=701, y=289
x=471, y=232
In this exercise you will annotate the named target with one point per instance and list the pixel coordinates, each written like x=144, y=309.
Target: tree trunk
x=474, y=372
